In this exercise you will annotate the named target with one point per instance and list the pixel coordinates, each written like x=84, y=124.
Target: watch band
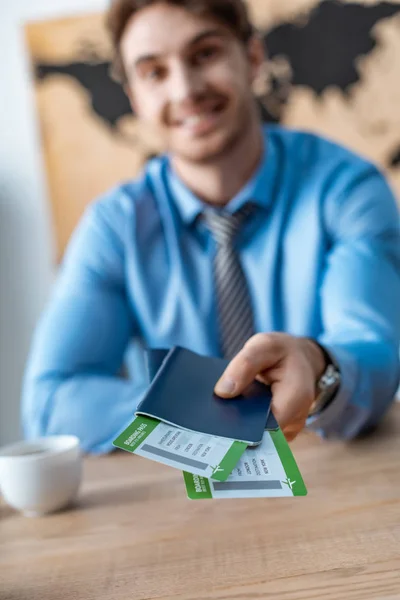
x=329, y=360
x=328, y=384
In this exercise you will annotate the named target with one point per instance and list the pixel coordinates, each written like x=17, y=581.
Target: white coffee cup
x=42, y=475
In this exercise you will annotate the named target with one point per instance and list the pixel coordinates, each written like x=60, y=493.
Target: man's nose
x=185, y=82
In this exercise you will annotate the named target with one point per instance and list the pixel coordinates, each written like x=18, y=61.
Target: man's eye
x=206, y=54
x=155, y=74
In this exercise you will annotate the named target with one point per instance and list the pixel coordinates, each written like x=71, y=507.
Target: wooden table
x=133, y=533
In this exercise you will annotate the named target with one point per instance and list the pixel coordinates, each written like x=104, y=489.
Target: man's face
x=190, y=78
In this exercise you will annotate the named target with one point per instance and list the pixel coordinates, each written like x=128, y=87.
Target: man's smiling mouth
x=201, y=120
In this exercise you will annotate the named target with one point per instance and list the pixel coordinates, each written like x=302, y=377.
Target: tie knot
x=224, y=226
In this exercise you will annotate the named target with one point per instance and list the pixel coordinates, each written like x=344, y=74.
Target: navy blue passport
x=182, y=394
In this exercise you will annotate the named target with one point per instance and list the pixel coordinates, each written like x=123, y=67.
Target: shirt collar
x=257, y=190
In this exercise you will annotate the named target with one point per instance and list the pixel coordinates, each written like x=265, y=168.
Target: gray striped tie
x=233, y=299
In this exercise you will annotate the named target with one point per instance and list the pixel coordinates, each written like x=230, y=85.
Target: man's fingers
x=258, y=354
x=291, y=433
x=291, y=398
x=292, y=430
x=272, y=359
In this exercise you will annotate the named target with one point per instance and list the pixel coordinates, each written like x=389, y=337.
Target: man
x=277, y=249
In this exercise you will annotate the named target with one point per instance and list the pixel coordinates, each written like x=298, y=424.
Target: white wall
x=26, y=244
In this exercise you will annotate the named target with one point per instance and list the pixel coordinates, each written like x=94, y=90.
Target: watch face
x=327, y=386
x=329, y=378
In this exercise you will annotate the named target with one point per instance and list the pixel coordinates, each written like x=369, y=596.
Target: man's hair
x=230, y=13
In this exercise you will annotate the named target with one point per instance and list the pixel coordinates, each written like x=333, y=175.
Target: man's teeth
x=195, y=119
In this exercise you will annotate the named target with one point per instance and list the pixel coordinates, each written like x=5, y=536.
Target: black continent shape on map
x=323, y=51
x=107, y=97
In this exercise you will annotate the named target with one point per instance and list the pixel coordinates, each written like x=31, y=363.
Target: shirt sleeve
x=360, y=298
x=72, y=383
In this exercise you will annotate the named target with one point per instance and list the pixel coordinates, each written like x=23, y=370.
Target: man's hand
x=290, y=365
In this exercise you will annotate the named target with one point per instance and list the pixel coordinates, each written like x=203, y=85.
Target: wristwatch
x=327, y=385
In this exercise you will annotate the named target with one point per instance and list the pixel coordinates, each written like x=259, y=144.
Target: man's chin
x=202, y=150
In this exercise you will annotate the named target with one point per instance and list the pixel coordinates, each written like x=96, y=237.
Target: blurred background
x=67, y=132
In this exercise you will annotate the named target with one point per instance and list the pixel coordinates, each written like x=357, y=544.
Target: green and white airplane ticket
x=266, y=471
x=191, y=451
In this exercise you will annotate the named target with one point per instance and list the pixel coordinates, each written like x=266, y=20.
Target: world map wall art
x=333, y=67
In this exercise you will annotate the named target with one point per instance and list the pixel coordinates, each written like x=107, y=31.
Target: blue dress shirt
x=321, y=256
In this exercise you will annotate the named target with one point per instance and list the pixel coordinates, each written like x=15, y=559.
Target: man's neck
x=219, y=181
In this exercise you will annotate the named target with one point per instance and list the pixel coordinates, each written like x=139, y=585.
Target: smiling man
x=277, y=249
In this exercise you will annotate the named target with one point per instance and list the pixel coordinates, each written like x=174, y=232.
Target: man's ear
x=256, y=56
